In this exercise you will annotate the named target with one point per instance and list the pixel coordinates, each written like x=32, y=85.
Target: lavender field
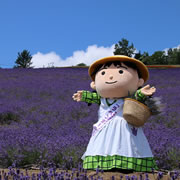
x=41, y=124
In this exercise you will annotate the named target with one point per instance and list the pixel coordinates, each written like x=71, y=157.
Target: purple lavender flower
x=97, y=170
x=140, y=177
x=41, y=123
x=160, y=175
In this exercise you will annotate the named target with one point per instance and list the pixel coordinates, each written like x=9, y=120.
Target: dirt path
x=90, y=174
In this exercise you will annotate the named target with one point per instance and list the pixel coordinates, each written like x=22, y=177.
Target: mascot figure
x=117, y=141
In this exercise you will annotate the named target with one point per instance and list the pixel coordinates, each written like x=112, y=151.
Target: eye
x=120, y=71
x=103, y=73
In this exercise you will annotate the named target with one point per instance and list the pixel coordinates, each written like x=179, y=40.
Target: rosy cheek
x=99, y=79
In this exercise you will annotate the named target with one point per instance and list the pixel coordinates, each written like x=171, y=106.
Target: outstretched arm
x=142, y=93
x=77, y=96
x=148, y=91
x=87, y=96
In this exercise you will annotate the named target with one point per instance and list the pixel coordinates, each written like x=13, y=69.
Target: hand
x=77, y=96
x=148, y=91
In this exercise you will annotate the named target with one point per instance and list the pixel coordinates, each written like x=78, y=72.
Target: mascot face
x=116, y=81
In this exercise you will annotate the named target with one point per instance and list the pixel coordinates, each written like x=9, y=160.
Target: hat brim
x=141, y=66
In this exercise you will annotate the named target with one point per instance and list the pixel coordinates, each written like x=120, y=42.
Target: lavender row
x=40, y=123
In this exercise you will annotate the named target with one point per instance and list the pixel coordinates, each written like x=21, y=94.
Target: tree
x=173, y=56
x=138, y=55
x=24, y=59
x=178, y=56
x=123, y=48
x=81, y=64
x=159, y=57
x=145, y=58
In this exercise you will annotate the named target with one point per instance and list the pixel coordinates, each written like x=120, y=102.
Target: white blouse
x=117, y=137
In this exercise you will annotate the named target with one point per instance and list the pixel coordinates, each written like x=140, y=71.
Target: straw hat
x=141, y=66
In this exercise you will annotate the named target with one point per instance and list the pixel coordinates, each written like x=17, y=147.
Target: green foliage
x=9, y=157
x=174, y=158
x=145, y=58
x=157, y=58
x=123, y=48
x=138, y=55
x=8, y=117
x=30, y=157
x=173, y=56
x=81, y=64
x=27, y=158
x=23, y=60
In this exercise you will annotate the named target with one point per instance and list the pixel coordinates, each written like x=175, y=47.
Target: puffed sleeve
x=91, y=97
x=139, y=96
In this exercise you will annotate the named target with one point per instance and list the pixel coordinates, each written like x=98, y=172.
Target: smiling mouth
x=111, y=82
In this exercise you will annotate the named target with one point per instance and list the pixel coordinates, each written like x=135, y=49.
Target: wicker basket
x=135, y=113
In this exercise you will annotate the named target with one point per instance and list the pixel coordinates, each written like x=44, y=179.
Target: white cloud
x=178, y=47
x=166, y=50
x=88, y=56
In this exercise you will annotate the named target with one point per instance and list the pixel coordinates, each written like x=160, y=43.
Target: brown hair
x=115, y=63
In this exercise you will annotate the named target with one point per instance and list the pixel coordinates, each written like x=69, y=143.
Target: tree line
x=123, y=47
x=171, y=57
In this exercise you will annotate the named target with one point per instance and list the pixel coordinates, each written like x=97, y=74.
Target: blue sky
x=67, y=32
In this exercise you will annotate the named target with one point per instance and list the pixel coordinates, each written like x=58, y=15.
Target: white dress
x=117, y=137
